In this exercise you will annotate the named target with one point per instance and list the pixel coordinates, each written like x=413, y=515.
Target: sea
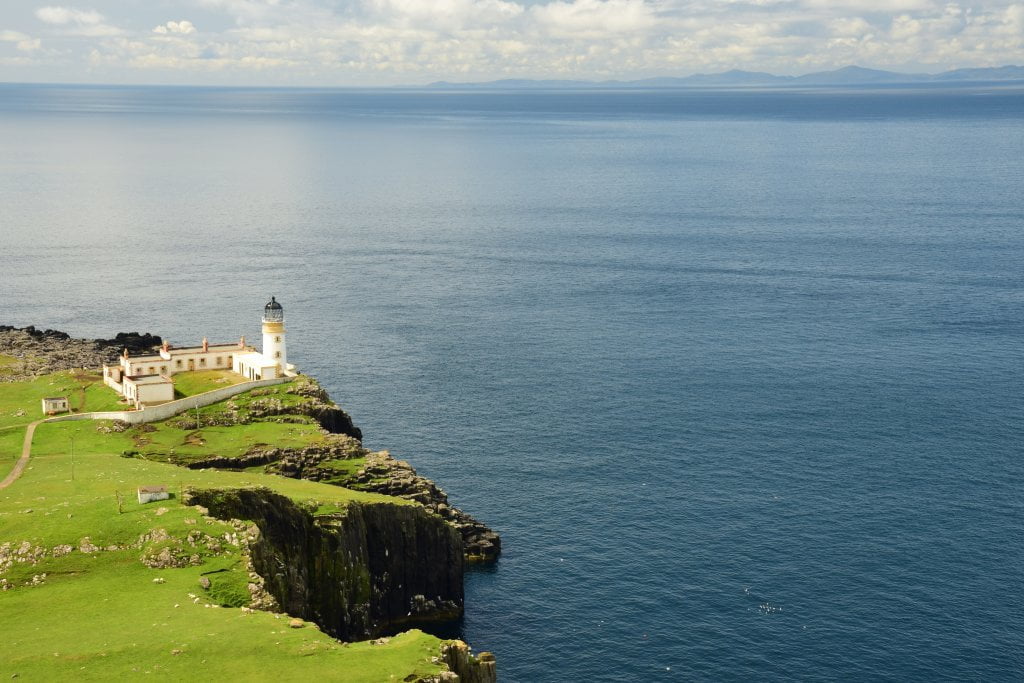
x=736, y=374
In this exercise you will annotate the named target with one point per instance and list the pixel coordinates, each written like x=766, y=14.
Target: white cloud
x=408, y=41
x=594, y=19
x=867, y=6
x=22, y=42
x=78, y=22
x=183, y=27
x=68, y=15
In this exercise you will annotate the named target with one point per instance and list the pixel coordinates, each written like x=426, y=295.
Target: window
x=202, y=361
x=152, y=370
x=177, y=363
x=277, y=339
x=220, y=360
x=163, y=368
x=277, y=355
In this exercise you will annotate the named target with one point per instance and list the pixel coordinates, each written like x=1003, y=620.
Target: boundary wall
x=172, y=408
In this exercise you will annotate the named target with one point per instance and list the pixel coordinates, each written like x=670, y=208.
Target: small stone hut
x=148, y=494
x=55, y=404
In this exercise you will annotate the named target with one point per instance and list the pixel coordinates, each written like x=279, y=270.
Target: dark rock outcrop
x=261, y=456
x=357, y=574
x=381, y=473
x=43, y=351
x=465, y=667
x=133, y=341
x=384, y=474
x=317, y=405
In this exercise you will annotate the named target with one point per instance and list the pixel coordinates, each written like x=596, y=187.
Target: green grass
x=161, y=441
x=100, y=615
x=98, y=469
x=244, y=402
x=10, y=448
x=116, y=624
x=200, y=381
x=346, y=469
x=98, y=398
x=85, y=391
x=181, y=446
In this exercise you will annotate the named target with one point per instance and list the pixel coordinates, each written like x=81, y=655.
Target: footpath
x=26, y=451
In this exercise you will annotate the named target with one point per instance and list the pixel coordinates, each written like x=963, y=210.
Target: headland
x=276, y=546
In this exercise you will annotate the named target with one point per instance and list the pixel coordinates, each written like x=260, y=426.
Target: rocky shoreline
x=364, y=571
x=43, y=351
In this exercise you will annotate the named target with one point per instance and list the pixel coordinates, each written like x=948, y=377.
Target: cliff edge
x=274, y=512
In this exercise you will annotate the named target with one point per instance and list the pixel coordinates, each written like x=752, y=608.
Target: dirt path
x=26, y=450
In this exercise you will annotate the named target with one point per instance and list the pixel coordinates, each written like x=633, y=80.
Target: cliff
x=356, y=574
x=463, y=667
x=340, y=459
x=358, y=565
x=378, y=472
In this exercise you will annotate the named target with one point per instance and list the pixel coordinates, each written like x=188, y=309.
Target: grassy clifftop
x=96, y=586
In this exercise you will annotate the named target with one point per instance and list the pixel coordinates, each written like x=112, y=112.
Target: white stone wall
x=166, y=410
x=116, y=386
x=144, y=365
x=255, y=367
x=148, y=394
x=153, y=496
x=217, y=358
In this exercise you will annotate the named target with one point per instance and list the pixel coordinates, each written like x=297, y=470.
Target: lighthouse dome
x=273, y=312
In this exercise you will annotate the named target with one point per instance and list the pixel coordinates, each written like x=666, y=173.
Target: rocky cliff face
x=463, y=667
x=320, y=407
x=356, y=574
x=383, y=474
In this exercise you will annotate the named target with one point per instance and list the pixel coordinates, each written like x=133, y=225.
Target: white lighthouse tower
x=273, y=334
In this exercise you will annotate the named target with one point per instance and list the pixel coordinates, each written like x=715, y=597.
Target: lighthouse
x=273, y=334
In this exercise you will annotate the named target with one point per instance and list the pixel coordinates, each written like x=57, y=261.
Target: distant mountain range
x=847, y=76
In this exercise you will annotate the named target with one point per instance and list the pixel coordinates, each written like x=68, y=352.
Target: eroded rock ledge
x=359, y=573
x=372, y=471
x=381, y=473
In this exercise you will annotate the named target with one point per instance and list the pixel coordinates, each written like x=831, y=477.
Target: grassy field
x=86, y=606
x=20, y=401
x=230, y=442
x=167, y=443
x=164, y=441
x=192, y=383
x=345, y=468
x=11, y=439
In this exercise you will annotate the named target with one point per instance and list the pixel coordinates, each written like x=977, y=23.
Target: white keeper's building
x=147, y=380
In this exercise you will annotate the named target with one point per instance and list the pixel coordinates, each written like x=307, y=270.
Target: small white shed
x=148, y=494
x=55, y=404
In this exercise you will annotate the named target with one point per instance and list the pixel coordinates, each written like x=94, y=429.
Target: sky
x=414, y=42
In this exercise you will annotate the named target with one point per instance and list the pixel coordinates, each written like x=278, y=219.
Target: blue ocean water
x=737, y=375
